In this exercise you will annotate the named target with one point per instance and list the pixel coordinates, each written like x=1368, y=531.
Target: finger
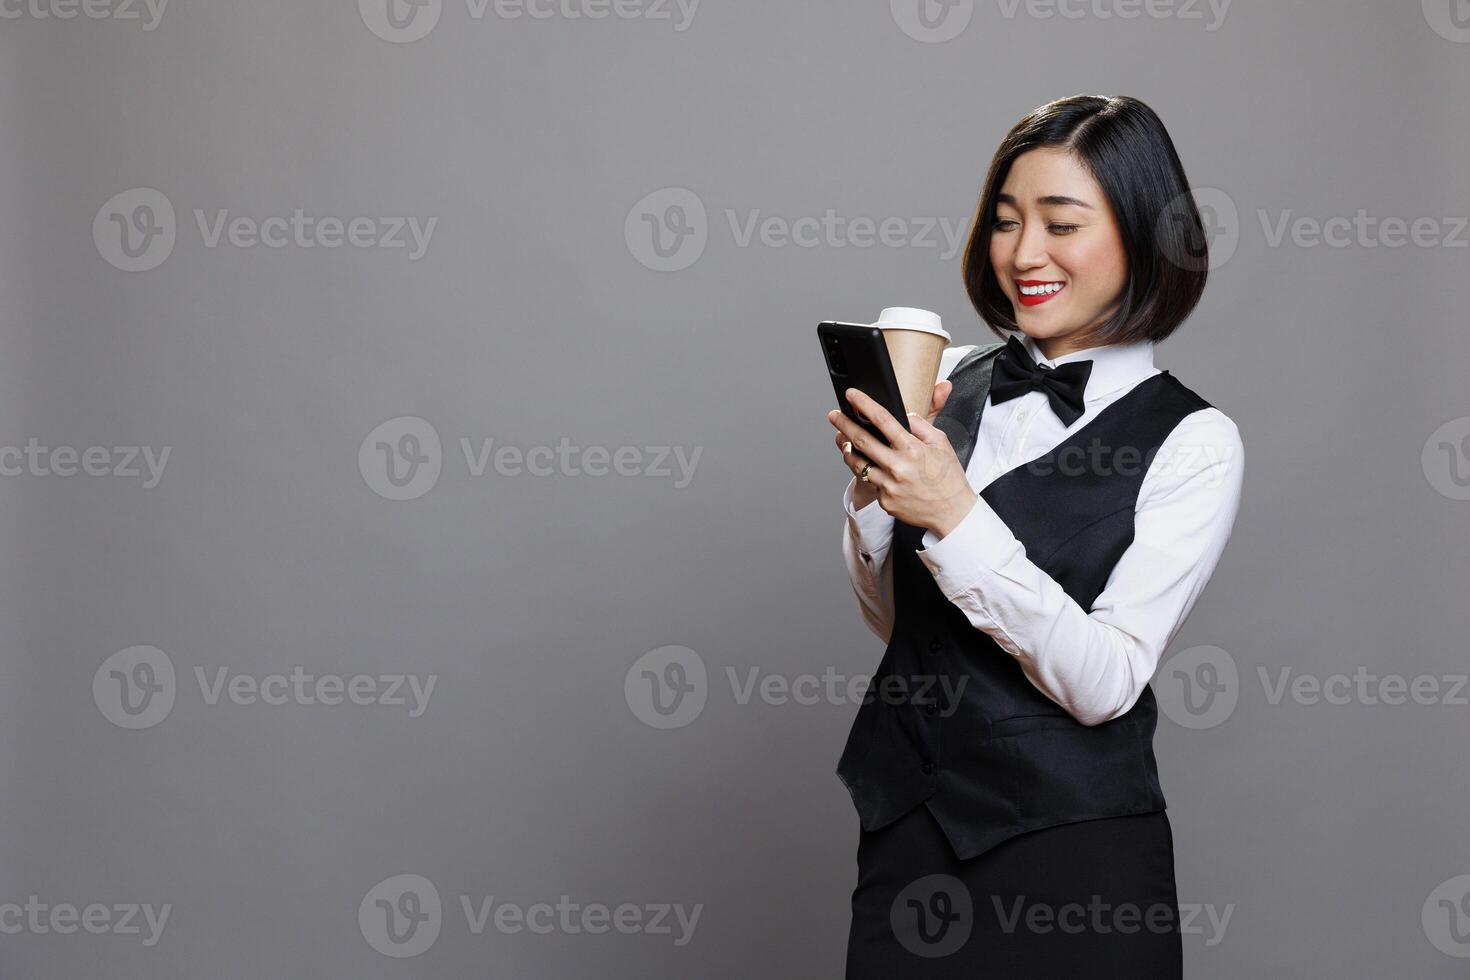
x=926, y=432
x=844, y=427
x=892, y=430
x=864, y=442
x=851, y=459
x=941, y=396
x=854, y=460
x=876, y=477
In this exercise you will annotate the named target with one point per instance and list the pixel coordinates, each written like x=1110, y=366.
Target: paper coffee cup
x=916, y=340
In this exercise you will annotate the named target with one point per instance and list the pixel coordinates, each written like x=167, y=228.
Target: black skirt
x=1095, y=899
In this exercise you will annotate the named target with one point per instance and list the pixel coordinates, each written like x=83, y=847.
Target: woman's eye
x=1003, y=224
x=1063, y=229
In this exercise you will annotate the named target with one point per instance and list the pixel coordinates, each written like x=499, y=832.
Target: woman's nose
x=1031, y=250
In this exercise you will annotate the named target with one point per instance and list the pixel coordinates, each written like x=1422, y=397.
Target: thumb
x=940, y=397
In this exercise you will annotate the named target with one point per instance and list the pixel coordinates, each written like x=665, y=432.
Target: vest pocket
x=1032, y=723
x=1067, y=770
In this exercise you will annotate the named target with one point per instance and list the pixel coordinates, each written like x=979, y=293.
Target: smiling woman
x=1098, y=207
x=1040, y=593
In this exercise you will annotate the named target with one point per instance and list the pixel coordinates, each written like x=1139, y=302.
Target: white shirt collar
x=1113, y=365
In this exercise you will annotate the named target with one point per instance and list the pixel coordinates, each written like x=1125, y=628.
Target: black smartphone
x=857, y=357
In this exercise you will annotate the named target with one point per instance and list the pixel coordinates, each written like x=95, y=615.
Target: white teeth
x=1040, y=290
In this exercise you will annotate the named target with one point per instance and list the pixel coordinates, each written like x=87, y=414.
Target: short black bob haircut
x=1124, y=145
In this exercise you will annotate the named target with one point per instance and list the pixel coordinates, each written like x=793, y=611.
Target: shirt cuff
x=974, y=548
x=871, y=527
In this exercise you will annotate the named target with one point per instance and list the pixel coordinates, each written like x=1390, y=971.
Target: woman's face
x=1055, y=228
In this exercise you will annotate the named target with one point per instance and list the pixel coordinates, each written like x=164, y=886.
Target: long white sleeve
x=1095, y=663
x=865, y=546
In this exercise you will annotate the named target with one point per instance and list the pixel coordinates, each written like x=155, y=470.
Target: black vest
x=1006, y=759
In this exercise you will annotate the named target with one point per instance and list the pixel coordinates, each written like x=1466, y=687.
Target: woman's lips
x=1041, y=290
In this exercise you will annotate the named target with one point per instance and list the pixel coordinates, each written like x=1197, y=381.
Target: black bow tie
x=1016, y=373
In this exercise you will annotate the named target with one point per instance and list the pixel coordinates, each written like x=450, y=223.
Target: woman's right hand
x=864, y=494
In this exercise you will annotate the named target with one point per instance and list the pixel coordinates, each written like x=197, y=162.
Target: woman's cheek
x=999, y=260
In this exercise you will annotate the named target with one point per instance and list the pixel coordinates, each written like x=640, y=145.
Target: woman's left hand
x=918, y=477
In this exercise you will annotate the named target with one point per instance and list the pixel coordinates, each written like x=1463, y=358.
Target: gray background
x=532, y=318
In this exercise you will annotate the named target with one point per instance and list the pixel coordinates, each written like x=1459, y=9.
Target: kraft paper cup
x=916, y=341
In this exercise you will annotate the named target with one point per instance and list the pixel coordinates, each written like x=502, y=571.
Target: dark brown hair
x=1125, y=147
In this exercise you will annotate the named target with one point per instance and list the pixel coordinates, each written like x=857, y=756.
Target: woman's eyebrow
x=1004, y=198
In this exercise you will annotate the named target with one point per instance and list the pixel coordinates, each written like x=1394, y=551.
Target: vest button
x=934, y=645
x=927, y=767
x=929, y=709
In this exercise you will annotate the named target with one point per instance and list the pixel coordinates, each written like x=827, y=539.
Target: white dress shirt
x=1094, y=662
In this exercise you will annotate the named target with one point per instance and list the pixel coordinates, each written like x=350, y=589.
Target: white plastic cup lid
x=911, y=318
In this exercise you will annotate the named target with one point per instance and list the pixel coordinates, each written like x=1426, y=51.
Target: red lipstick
x=1038, y=295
